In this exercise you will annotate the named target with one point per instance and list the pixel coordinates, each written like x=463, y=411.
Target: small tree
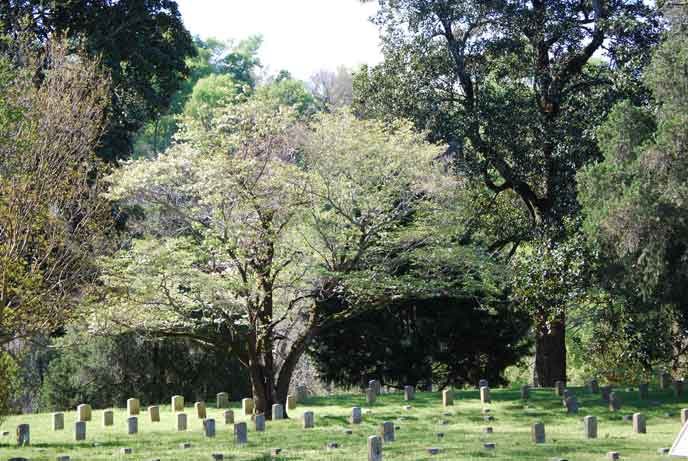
x=51, y=218
x=241, y=238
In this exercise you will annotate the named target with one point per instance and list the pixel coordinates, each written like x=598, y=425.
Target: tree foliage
x=142, y=43
x=221, y=73
x=634, y=200
x=52, y=220
x=245, y=234
x=515, y=91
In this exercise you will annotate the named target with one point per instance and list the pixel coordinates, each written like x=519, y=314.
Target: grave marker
x=571, y=404
x=80, y=431
x=222, y=400
x=132, y=425
x=259, y=422
x=277, y=412
x=133, y=407
x=240, y=433
x=181, y=421
x=639, y=426
x=409, y=393
x=201, y=412
x=485, y=395
x=374, y=448
x=177, y=403
x=228, y=416
x=374, y=384
x=387, y=431
x=58, y=421
x=247, y=406
x=108, y=418
x=590, y=427
x=209, y=427
x=356, y=415
x=291, y=402
x=154, y=414
x=371, y=396
x=308, y=420
x=447, y=397
x=83, y=412
x=23, y=435
x=301, y=393
x=538, y=433
x=559, y=388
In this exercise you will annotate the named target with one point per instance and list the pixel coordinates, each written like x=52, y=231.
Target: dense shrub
x=106, y=371
x=442, y=341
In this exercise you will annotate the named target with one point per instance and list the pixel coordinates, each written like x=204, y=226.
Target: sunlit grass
x=417, y=430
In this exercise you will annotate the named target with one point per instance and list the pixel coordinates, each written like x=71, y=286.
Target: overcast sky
x=301, y=36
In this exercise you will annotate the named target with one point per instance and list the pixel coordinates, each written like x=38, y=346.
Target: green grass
x=417, y=431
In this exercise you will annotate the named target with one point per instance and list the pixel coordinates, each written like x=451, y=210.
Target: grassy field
x=417, y=430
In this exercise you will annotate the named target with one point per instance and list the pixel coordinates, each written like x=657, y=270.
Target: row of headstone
x=84, y=411
x=665, y=382
x=589, y=428
x=208, y=424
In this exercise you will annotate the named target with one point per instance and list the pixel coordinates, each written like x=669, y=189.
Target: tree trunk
x=550, y=353
x=267, y=392
x=295, y=352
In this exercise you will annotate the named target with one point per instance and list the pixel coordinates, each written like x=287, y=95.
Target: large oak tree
x=512, y=88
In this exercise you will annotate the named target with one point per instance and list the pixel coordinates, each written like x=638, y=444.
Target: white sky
x=301, y=36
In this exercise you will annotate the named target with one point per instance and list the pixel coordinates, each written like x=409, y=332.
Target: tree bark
x=550, y=353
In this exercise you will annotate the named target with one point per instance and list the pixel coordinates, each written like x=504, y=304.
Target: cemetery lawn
x=417, y=430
